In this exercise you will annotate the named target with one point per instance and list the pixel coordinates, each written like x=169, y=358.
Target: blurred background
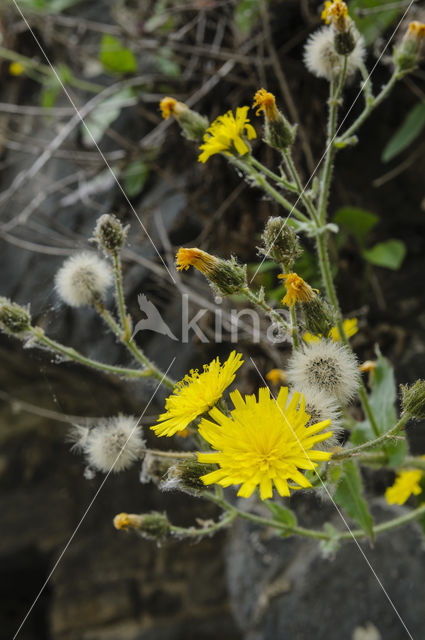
x=117, y=59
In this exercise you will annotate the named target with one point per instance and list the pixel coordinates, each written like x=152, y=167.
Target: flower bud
x=226, y=276
x=345, y=42
x=413, y=400
x=318, y=316
x=109, y=233
x=278, y=133
x=13, y=317
x=280, y=243
x=185, y=475
x=154, y=525
x=407, y=55
x=192, y=123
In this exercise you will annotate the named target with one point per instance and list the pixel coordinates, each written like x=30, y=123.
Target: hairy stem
x=377, y=442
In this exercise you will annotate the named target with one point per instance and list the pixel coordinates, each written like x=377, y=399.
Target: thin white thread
x=336, y=506
x=332, y=140
x=90, y=505
x=94, y=141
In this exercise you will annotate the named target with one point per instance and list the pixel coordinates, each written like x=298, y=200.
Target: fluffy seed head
x=321, y=58
x=112, y=445
x=83, y=279
x=325, y=366
x=320, y=406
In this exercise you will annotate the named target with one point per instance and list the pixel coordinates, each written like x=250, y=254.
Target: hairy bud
x=154, y=525
x=413, y=400
x=13, y=318
x=280, y=243
x=226, y=276
x=109, y=233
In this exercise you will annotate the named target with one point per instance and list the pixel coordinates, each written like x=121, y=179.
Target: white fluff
x=113, y=444
x=83, y=279
x=325, y=366
x=320, y=406
x=323, y=61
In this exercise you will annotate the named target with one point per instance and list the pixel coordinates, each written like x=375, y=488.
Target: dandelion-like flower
x=196, y=394
x=321, y=58
x=227, y=135
x=112, y=444
x=265, y=101
x=325, y=366
x=405, y=485
x=350, y=326
x=297, y=289
x=337, y=13
x=264, y=443
x=83, y=279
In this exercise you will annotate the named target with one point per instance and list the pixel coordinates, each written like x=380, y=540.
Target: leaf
x=48, y=6
x=356, y=221
x=389, y=254
x=166, y=64
x=106, y=112
x=246, y=14
x=349, y=496
x=406, y=133
x=329, y=547
x=281, y=514
x=115, y=57
x=135, y=176
x=373, y=24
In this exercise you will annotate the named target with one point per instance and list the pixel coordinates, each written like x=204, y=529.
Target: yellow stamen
x=265, y=101
x=201, y=260
x=297, y=289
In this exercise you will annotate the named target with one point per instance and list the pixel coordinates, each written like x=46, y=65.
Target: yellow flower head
x=196, y=394
x=297, y=289
x=406, y=484
x=201, y=260
x=368, y=366
x=263, y=443
x=265, y=101
x=172, y=107
x=226, y=135
x=127, y=521
x=16, y=68
x=350, y=328
x=276, y=376
x=416, y=30
x=337, y=13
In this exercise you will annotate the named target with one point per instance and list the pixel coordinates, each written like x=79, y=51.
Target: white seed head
x=325, y=366
x=323, y=61
x=113, y=444
x=320, y=406
x=83, y=279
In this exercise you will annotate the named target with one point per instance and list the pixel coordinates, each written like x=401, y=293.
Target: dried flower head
x=113, y=444
x=226, y=276
x=228, y=134
x=196, y=394
x=192, y=123
x=266, y=102
x=337, y=13
x=408, y=53
x=278, y=133
x=297, y=289
x=263, y=443
x=153, y=526
x=325, y=366
x=83, y=279
x=109, y=233
x=322, y=59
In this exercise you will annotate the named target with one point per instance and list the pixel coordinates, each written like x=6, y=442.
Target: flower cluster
x=228, y=134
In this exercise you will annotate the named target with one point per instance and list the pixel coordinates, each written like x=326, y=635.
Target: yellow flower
x=416, y=30
x=265, y=101
x=16, y=68
x=263, y=443
x=276, y=376
x=201, y=260
x=350, y=328
x=196, y=394
x=368, y=366
x=226, y=135
x=297, y=289
x=406, y=484
x=172, y=107
x=337, y=13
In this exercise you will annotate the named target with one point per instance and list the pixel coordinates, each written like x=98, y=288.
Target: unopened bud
x=413, y=400
x=407, y=55
x=154, y=525
x=226, y=276
x=345, y=42
x=185, y=475
x=13, y=318
x=192, y=123
x=109, y=233
x=278, y=133
x=280, y=243
x=318, y=316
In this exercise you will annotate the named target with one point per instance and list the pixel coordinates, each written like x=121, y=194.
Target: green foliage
x=331, y=546
x=107, y=111
x=246, y=14
x=47, y=6
x=373, y=23
x=349, y=496
x=389, y=254
x=115, y=57
x=52, y=86
x=166, y=63
x=408, y=131
x=135, y=176
x=281, y=514
x=356, y=221
x=160, y=21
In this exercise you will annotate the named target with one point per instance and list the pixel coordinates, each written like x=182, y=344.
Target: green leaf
x=166, y=64
x=135, y=176
x=115, y=57
x=106, y=112
x=389, y=254
x=356, y=221
x=373, y=23
x=406, y=133
x=281, y=514
x=246, y=14
x=329, y=547
x=48, y=6
x=349, y=497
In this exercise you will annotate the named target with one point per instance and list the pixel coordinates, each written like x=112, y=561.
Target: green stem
x=74, y=355
x=294, y=330
x=299, y=188
x=377, y=442
x=258, y=300
x=273, y=176
x=386, y=526
x=192, y=532
x=125, y=324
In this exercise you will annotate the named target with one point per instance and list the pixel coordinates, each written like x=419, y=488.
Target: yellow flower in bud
x=276, y=376
x=172, y=107
x=127, y=521
x=368, y=366
x=337, y=13
x=297, y=289
x=201, y=260
x=16, y=68
x=416, y=30
x=265, y=101
x=406, y=484
x=226, y=135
